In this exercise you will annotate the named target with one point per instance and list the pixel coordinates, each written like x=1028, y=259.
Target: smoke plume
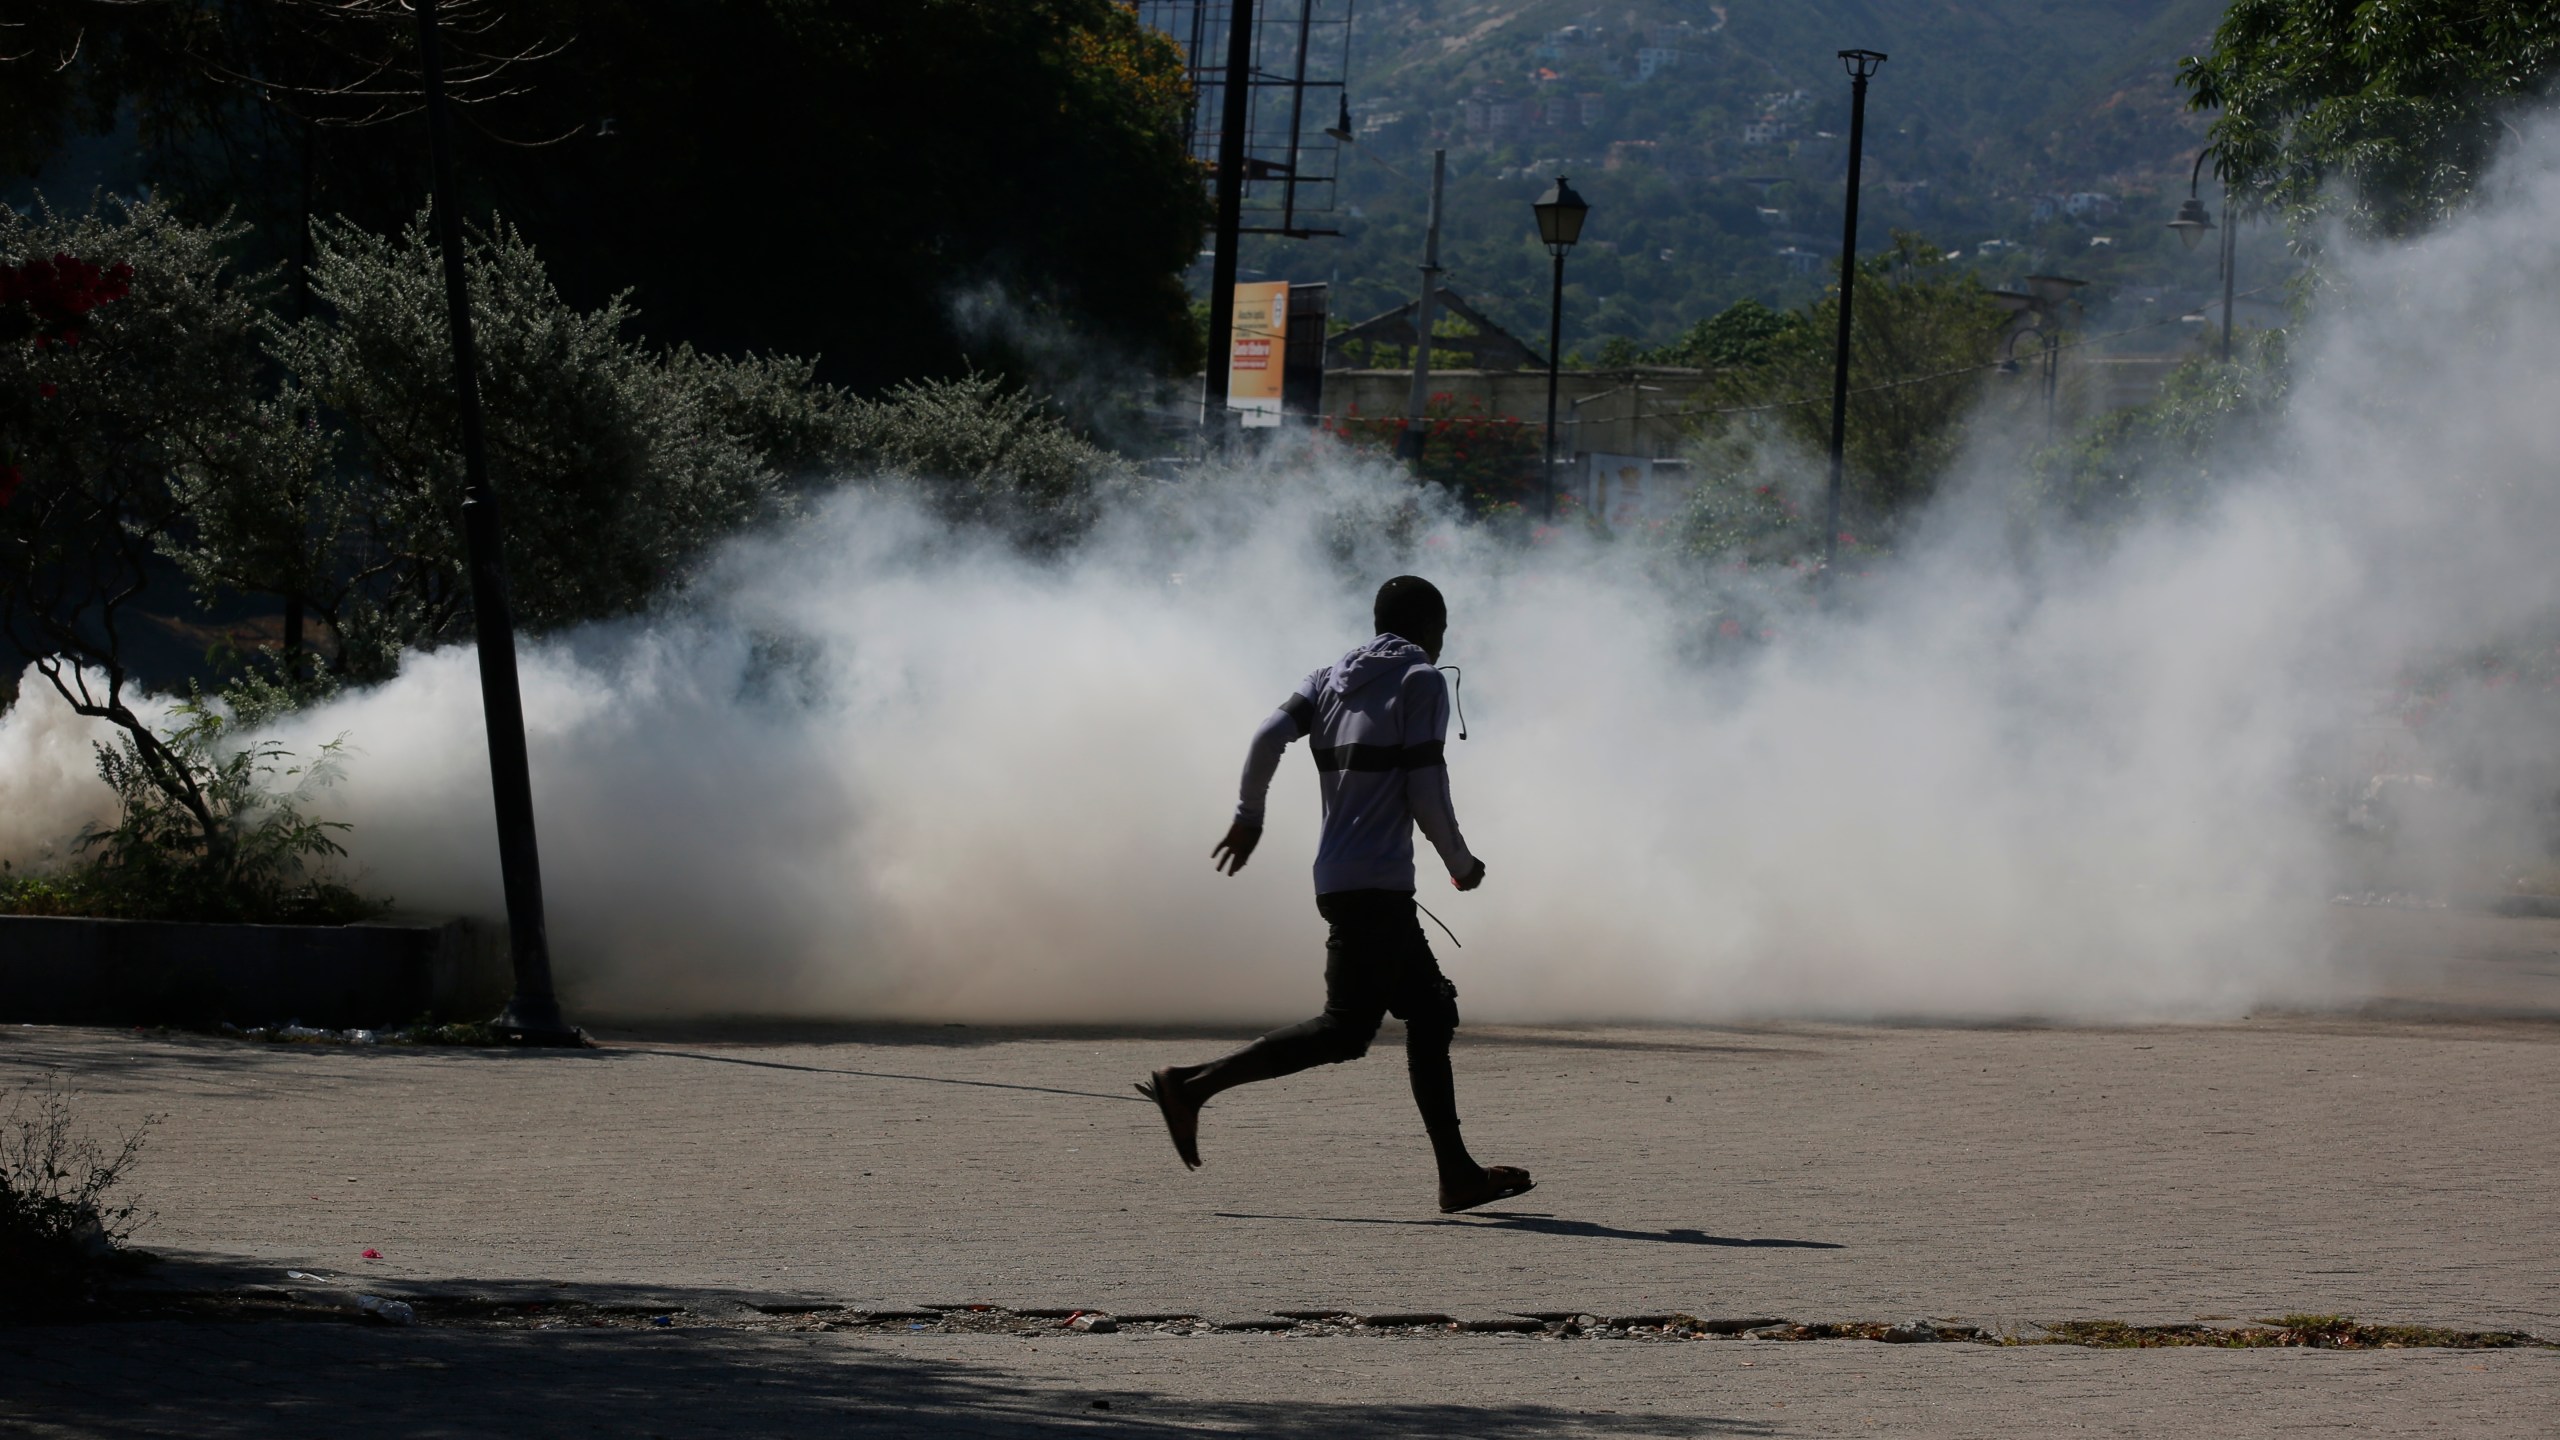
x=873, y=767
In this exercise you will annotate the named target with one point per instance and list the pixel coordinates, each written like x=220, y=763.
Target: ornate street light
x=2193, y=220
x=1559, y=213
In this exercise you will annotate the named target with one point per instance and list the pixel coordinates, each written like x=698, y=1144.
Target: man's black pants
x=1377, y=962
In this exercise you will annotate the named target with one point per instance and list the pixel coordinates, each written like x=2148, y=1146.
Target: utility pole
x=533, y=1015
x=1425, y=316
x=2230, y=259
x=1234, y=113
x=1862, y=64
x=1555, y=365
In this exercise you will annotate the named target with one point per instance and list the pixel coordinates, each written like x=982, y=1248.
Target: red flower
x=61, y=291
x=1730, y=629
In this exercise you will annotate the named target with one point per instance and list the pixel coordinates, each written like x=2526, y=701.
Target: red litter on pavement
x=373, y=1254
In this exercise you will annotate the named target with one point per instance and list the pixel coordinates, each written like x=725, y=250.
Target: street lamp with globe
x=1559, y=213
x=2193, y=220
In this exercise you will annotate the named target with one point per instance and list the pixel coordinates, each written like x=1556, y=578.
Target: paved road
x=232, y=1382
x=2400, y=1167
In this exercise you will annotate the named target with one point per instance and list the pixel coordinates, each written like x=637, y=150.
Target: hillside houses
x=2088, y=207
x=1779, y=112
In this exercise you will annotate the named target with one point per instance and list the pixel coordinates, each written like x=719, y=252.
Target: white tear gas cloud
x=874, y=768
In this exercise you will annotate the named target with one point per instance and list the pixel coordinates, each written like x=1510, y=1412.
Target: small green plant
x=62, y=1226
x=203, y=834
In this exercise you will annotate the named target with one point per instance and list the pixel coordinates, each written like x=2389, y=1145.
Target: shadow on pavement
x=916, y=1035
x=882, y=1075
x=1552, y=1225
x=222, y=1380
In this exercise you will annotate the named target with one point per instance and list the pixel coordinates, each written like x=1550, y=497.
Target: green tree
x=1743, y=334
x=618, y=463
x=1924, y=337
x=130, y=375
x=2388, y=107
x=810, y=177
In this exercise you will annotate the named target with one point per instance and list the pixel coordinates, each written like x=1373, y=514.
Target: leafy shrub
x=1488, y=462
x=202, y=835
x=2170, y=454
x=988, y=455
x=61, y=1227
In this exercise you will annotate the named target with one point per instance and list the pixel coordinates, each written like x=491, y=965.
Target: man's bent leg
x=1358, y=956
x=1328, y=1039
x=1353, y=1006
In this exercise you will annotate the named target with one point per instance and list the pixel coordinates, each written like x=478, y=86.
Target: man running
x=1378, y=718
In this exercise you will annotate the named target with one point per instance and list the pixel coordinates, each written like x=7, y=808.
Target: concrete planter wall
x=138, y=972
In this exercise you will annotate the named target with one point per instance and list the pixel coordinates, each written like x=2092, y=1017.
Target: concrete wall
x=60, y=971
x=1621, y=412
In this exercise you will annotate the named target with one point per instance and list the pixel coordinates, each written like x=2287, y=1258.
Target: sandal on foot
x=1500, y=1182
x=1181, y=1117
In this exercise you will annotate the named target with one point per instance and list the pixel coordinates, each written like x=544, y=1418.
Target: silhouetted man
x=1376, y=720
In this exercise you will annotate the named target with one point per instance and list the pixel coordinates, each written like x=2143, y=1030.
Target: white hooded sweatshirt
x=1377, y=718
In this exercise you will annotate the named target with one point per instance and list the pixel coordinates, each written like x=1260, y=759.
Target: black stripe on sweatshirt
x=1297, y=708
x=1378, y=757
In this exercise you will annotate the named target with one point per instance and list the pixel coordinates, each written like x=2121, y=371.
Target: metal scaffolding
x=1296, y=111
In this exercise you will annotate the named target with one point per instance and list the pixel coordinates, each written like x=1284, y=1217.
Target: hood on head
x=1383, y=655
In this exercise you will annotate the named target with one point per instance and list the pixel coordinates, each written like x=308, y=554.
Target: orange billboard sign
x=1261, y=344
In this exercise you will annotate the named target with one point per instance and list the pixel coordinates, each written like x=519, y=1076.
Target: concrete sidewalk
x=2397, y=1169
x=236, y=1382
x=2400, y=1170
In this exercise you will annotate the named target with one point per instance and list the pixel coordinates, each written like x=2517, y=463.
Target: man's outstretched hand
x=1237, y=848
x=1472, y=878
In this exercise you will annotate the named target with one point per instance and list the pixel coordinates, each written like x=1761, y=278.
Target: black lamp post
x=533, y=1015
x=1862, y=65
x=1560, y=213
x=2193, y=220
